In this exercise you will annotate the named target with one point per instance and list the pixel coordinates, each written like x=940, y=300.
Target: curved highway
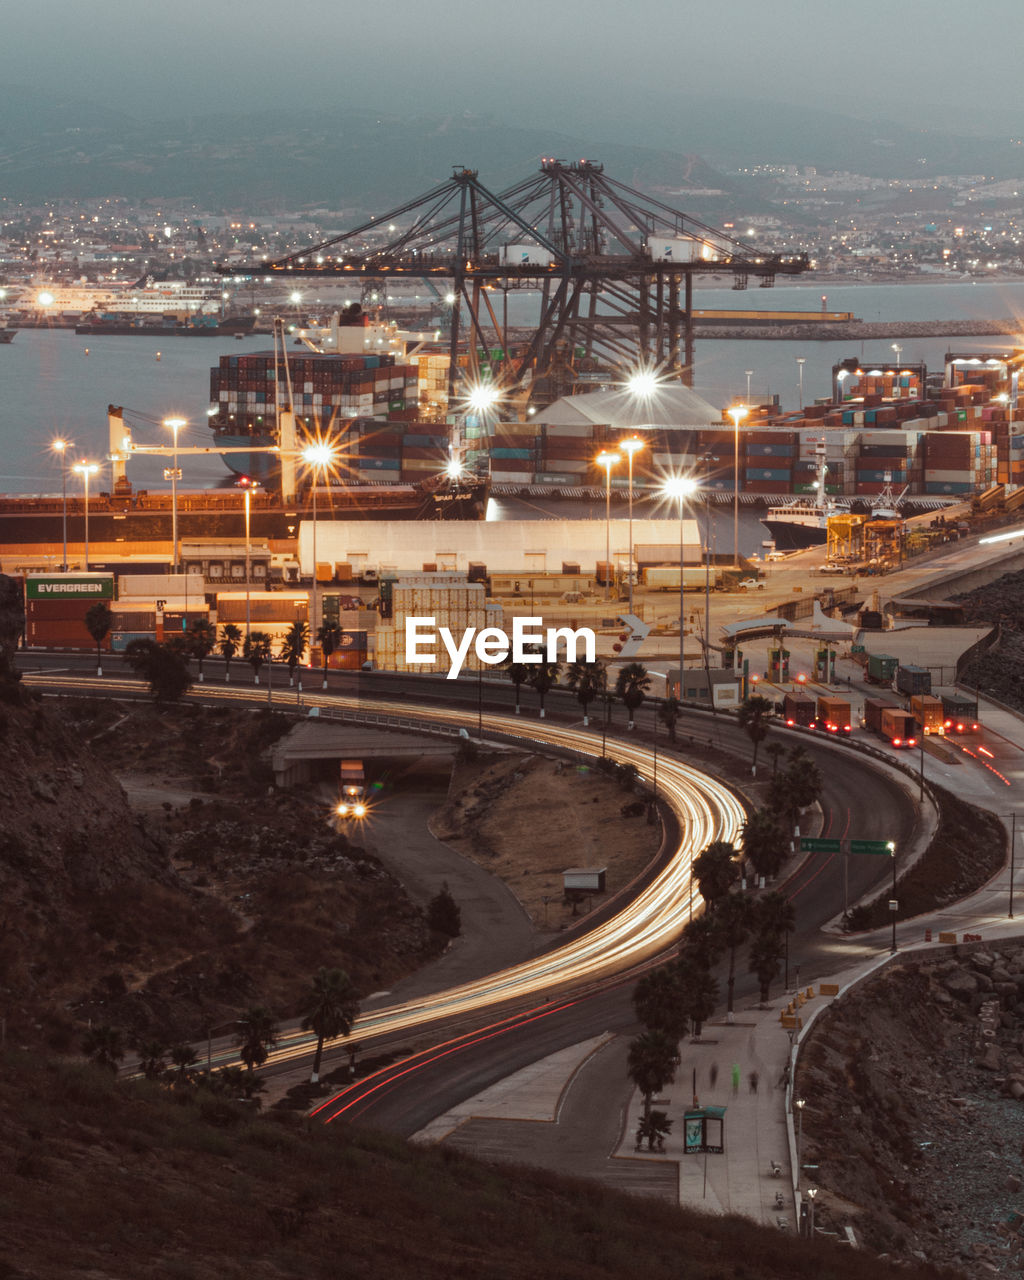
x=581, y=987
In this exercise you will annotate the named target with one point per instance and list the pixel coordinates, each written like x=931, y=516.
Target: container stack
x=245, y=392
x=888, y=457
x=516, y=452
x=452, y=602
x=768, y=458
x=56, y=605
x=957, y=462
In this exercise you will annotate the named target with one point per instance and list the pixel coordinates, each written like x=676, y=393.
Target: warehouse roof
x=670, y=406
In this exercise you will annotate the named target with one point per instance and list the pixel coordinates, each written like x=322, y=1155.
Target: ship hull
x=143, y=523
x=791, y=536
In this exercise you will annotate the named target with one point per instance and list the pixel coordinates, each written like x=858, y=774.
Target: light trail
x=705, y=808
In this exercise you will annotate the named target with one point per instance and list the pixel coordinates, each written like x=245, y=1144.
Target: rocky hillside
x=914, y=1085
x=998, y=671
x=177, y=914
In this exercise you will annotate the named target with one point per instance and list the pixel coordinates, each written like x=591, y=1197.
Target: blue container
x=379, y=464
x=769, y=473
x=770, y=450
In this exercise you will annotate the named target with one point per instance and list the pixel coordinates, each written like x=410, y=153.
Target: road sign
x=809, y=844
x=881, y=848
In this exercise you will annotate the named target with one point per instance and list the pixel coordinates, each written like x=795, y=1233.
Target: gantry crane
x=613, y=268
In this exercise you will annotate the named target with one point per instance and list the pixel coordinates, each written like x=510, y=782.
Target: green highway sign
x=881, y=848
x=809, y=844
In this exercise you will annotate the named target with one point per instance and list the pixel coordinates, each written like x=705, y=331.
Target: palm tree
x=331, y=1008
x=98, y=620
x=774, y=920
x=775, y=749
x=753, y=716
x=796, y=787
x=765, y=955
x=230, y=643
x=257, y=1035
x=765, y=842
x=699, y=991
x=668, y=714
x=700, y=943
x=162, y=666
x=151, y=1057
x=293, y=646
x=632, y=685
x=202, y=636
x=328, y=637
x=658, y=1001
x=518, y=673
x=653, y=1059
x=733, y=918
x=587, y=680
x=715, y=871
x=104, y=1045
x=543, y=678
x=183, y=1058
x=256, y=651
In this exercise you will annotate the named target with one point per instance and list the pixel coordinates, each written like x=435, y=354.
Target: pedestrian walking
x=753, y=1078
x=735, y=1077
x=713, y=1074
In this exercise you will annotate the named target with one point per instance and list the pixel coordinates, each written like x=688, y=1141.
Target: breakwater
x=863, y=330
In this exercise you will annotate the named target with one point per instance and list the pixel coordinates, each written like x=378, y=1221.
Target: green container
x=882, y=667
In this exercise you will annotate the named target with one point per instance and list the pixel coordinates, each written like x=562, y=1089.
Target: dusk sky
x=913, y=61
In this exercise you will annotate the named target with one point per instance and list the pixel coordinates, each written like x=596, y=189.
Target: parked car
x=750, y=584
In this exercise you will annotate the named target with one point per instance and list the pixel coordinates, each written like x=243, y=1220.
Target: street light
x=750, y=374
x=629, y=447
x=894, y=906
x=607, y=460
x=318, y=457
x=738, y=412
x=85, y=470
x=899, y=351
x=799, y=1103
x=174, y=425
x=800, y=377
x=247, y=485
x=811, y=1193
x=61, y=447
x=680, y=487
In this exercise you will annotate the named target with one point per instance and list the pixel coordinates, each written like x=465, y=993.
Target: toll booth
x=825, y=665
x=778, y=665
x=704, y=1130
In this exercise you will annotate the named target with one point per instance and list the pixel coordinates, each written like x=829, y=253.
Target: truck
x=881, y=668
x=799, y=709
x=872, y=717
x=898, y=727
x=960, y=711
x=927, y=711
x=912, y=680
x=665, y=577
x=351, y=802
x=834, y=714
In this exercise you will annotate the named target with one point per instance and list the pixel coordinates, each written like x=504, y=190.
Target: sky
x=915, y=61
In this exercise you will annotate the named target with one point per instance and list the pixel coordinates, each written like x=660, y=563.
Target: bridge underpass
x=314, y=748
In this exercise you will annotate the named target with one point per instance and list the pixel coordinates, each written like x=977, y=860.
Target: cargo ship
x=147, y=324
